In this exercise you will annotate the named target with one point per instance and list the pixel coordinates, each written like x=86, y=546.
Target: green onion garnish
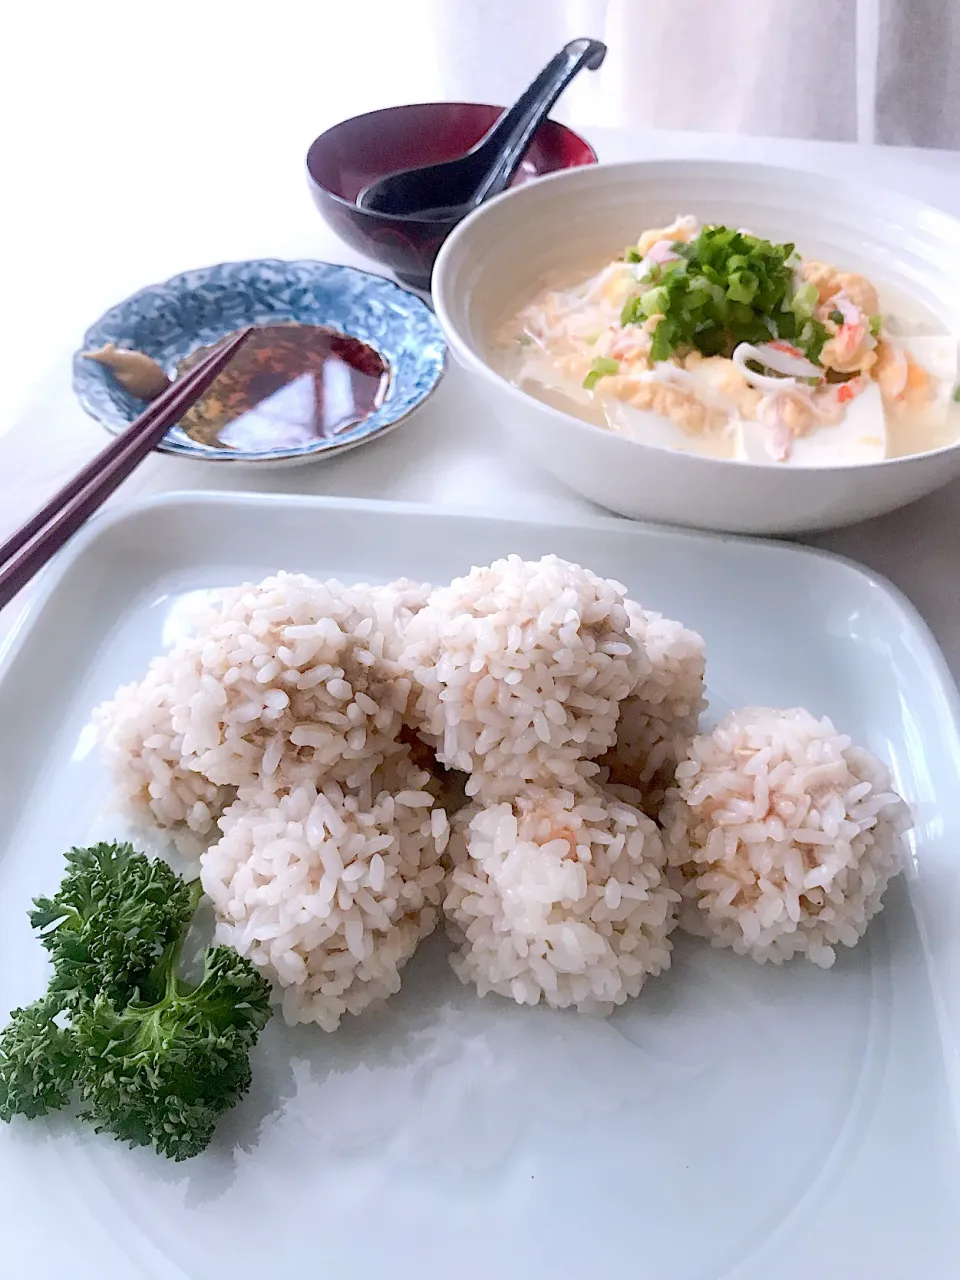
x=632, y=312
x=602, y=367
x=804, y=301
x=654, y=302
x=728, y=287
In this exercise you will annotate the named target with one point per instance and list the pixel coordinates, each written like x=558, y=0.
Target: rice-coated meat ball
x=280, y=684
x=520, y=668
x=329, y=891
x=784, y=836
x=559, y=896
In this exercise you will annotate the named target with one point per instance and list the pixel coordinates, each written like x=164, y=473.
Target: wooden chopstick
x=27, y=550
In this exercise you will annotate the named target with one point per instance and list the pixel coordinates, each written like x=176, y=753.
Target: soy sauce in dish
x=289, y=385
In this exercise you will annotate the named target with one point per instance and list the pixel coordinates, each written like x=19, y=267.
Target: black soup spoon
x=447, y=192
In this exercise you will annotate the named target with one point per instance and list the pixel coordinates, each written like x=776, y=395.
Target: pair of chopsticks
x=28, y=550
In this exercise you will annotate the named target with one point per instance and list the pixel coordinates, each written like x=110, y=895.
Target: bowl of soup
x=727, y=346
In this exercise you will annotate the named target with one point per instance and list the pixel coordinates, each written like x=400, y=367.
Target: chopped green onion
x=664, y=340
x=602, y=367
x=632, y=254
x=743, y=286
x=812, y=339
x=836, y=316
x=956, y=395
x=804, y=301
x=876, y=324
x=727, y=287
x=654, y=301
x=788, y=325
x=631, y=313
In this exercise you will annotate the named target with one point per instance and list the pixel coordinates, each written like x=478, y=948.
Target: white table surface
x=117, y=235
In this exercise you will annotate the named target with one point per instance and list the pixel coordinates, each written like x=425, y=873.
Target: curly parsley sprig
x=150, y=1057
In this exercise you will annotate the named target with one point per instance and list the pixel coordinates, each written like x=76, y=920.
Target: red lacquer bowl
x=342, y=161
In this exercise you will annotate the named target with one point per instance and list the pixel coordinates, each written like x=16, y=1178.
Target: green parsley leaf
x=38, y=1062
x=153, y=1059
x=109, y=921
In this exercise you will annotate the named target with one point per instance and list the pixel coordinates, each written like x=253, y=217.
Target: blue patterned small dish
x=167, y=321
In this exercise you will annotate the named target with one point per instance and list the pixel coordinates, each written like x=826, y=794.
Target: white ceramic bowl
x=504, y=252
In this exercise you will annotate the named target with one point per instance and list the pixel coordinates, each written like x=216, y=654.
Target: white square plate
x=734, y=1121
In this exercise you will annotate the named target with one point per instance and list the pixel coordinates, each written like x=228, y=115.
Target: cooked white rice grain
x=283, y=682
x=559, y=897
x=395, y=604
x=785, y=836
x=521, y=668
x=662, y=713
x=329, y=891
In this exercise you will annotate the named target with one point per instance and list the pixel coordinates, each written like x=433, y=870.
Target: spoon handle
x=512, y=133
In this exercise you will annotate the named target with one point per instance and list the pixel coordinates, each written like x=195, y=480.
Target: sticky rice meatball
x=279, y=683
x=783, y=834
x=329, y=891
x=559, y=896
x=520, y=669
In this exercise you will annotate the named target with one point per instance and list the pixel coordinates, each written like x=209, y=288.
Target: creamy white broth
x=907, y=430
x=907, y=318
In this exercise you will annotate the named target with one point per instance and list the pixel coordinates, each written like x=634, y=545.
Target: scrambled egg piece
x=684, y=230
x=721, y=379
x=829, y=281
x=680, y=406
x=851, y=347
x=852, y=350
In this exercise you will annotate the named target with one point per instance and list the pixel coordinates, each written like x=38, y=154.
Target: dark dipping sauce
x=289, y=385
